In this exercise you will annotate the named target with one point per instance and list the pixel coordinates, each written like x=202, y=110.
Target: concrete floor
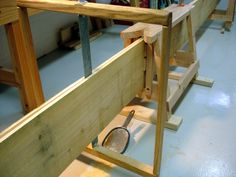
x=205, y=144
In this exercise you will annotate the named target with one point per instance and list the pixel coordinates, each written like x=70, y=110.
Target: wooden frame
x=225, y=15
x=59, y=130
x=24, y=75
x=84, y=103
x=179, y=58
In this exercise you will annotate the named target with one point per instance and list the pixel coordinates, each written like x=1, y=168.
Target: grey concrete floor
x=205, y=144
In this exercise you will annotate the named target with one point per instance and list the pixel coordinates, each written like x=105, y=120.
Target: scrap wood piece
x=136, y=14
x=149, y=115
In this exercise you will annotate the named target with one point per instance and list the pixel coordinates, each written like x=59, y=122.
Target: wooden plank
x=122, y=161
x=101, y=10
x=8, y=11
x=46, y=141
x=149, y=70
x=149, y=32
x=204, y=81
x=7, y=76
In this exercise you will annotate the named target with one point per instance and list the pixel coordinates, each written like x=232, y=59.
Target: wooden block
x=173, y=122
x=8, y=11
x=149, y=115
x=204, y=81
x=200, y=80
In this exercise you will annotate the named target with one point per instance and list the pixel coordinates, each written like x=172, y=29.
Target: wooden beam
x=8, y=11
x=149, y=115
x=7, y=76
x=101, y=10
x=182, y=84
x=122, y=161
x=47, y=140
x=24, y=62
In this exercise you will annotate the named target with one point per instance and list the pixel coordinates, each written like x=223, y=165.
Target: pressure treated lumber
x=47, y=140
x=100, y=10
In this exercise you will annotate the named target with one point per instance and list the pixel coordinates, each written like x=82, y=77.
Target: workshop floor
x=204, y=145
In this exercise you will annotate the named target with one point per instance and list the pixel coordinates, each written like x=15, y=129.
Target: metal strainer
x=117, y=139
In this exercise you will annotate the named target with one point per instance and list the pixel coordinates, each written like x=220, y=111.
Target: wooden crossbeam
x=7, y=76
x=100, y=10
x=8, y=11
x=122, y=160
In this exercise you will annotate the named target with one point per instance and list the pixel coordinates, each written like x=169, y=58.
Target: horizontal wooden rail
x=161, y=17
x=122, y=161
x=8, y=77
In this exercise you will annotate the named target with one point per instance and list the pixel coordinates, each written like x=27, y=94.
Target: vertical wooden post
x=191, y=37
x=162, y=96
x=149, y=70
x=230, y=13
x=24, y=61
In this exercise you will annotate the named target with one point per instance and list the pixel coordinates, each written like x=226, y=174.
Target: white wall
x=45, y=27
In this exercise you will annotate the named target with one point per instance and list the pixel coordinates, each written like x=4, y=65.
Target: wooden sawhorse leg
x=25, y=74
x=225, y=15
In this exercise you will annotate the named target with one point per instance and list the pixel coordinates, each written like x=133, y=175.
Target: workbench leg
x=24, y=61
x=230, y=13
x=162, y=97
